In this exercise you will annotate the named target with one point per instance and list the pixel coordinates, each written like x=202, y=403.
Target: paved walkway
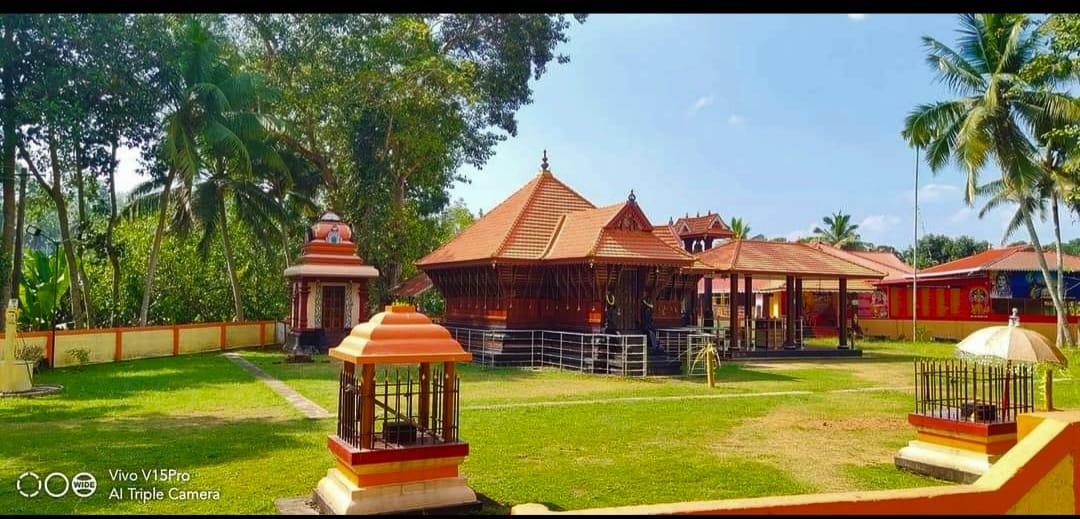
x=307, y=407
x=554, y=403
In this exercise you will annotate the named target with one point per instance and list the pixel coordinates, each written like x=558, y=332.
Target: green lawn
x=618, y=442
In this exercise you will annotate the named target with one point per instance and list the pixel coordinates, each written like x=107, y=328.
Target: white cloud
x=735, y=119
x=961, y=215
x=795, y=235
x=878, y=223
x=931, y=192
x=855, y=17
x=702, y=102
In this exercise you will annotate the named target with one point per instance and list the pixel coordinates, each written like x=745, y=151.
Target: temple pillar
x=733, y=309
x=789, y=301
x=843, y=314
x=748, y=306
x=799, y=323
x=305, y=289
x=707, y=308
x=361, y=302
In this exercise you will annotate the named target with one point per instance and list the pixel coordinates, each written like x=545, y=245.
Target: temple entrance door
x=333, y=314
x=628, y=301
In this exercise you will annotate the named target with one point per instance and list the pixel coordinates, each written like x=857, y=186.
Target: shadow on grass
x=123, y=379
x=150, y=441
x=734, y=372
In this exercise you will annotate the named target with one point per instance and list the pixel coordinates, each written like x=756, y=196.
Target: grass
x=678, y=441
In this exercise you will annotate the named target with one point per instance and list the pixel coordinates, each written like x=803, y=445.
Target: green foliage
x=31, y=353
x=43, y=286
x=935, y=249
x=79, y=355
x=839, y=232
x=740, y=228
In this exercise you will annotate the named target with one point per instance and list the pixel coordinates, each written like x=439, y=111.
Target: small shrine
x=328, y=287
x=397, y=445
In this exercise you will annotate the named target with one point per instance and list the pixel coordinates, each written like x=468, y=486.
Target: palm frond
x=951, y=68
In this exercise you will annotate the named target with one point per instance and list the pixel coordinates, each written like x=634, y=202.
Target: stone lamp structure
x=397, y=446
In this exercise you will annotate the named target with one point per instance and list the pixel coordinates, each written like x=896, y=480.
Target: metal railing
x=960, y=390
x=624, y=355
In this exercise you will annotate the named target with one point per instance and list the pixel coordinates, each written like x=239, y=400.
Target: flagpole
x=915, y=257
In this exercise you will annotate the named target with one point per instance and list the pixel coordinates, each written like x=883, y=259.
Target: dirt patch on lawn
x=814, y=446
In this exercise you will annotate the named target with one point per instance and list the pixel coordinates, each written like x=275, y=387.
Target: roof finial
x=544, y=163
x=632, y=197
x=699, y=214
x=670, y=221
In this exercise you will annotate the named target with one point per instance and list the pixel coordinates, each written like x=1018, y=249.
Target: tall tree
x=740, y=228
x=839, y=231
x=428, y=93
x=994, y=117
x=197, y=123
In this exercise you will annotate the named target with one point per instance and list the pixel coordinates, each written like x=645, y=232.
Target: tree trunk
x=163, y=207
x=80, y=231
x=1063, y=337
x=110, y=249
x=238, y=302
x=57, y=195
x=20, y=224
x=7, y=171
x=1059, y=307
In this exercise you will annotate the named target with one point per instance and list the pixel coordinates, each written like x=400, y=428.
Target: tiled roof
x=723, y=285
x=881, y=261
x=710, y=224
x=1019, y=257
x=546, y=220
x=519, y=227
x=782, y=258
x=413, y=286
x=594, y=234
x=667, y=234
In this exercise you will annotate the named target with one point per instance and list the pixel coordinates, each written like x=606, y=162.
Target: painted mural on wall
x=1029, y=285
x=979, y=302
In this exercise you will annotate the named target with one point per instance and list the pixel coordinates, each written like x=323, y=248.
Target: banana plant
x=44, y=283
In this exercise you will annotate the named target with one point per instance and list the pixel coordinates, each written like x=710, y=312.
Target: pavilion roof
x=547, y=221
x=1022, y=258
x=886, y=262
x=413, y=286
x=709, y=224
x=782, y=259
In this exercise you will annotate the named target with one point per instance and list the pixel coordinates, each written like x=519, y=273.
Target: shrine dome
x=330, y=229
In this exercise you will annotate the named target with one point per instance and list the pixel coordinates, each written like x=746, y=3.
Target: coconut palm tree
x=201, y=126
x=740, y=228
x=839, y=231
x=994, y=117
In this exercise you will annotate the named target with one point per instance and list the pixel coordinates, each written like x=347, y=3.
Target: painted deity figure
x=879, y=304
x=334, y=236
x=1001, y=288
x=979, y=301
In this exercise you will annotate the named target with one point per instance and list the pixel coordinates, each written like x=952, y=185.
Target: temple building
x=327, y=287
x=961, y=296
x=548, y=258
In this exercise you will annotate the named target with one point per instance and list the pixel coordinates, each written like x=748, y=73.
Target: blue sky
x=778, y=119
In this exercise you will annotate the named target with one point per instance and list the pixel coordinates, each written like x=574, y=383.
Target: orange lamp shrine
x=397, y=446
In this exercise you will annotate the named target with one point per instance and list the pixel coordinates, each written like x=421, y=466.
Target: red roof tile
x=546, y=220
x=413, y=286
x=710, y=224
x=885, y=262
x=782, y=258
x=520, y=227
x=1019, y=258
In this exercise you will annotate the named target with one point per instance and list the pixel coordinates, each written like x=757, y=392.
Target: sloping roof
x=413, y=286
x=618, y=232
x=723, y=285
x=518, y=228
x=710, y=224
x=886, y=258
x=1019, y=258
x=782, y=258
x=881, y=261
